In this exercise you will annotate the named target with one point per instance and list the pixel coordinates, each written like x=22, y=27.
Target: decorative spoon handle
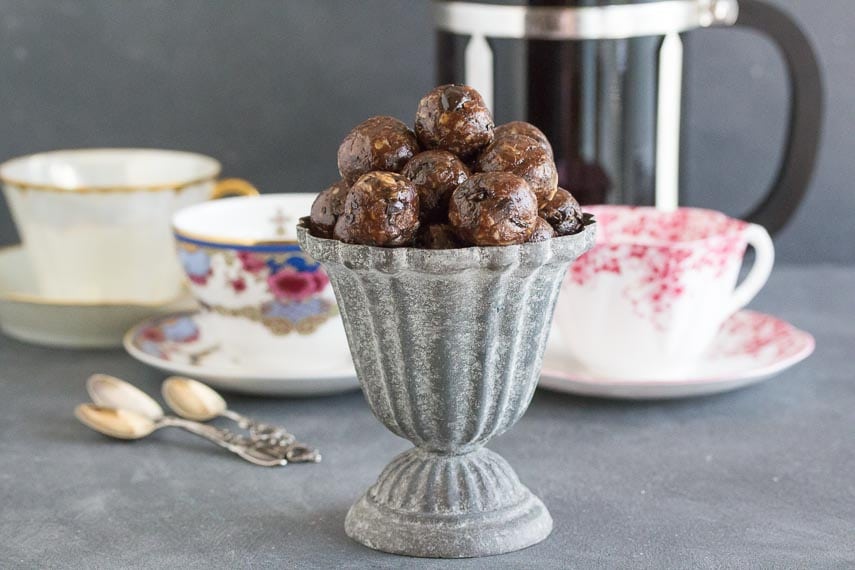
x=294, y=452
x=235, y=443
x=275, y=440
x=195, y=401
x=260, y=431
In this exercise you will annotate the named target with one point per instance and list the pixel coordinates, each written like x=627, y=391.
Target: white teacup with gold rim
x=95, y=222
x=261, y=296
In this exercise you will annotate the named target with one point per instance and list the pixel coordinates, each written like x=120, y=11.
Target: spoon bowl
x=121, y=424
x=126, y=424
x=111, y=392
x=191, y=399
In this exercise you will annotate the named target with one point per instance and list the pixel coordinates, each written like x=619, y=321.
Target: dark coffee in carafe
x=603, y=80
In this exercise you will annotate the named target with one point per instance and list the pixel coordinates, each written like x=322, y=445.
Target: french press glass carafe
x=603, y=80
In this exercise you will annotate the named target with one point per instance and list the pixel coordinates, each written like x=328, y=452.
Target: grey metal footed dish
x=448, y=346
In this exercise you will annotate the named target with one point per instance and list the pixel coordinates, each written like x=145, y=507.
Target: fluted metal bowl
x=448, y=346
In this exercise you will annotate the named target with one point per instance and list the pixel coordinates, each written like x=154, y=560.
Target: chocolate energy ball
x=493, y=208
x=526, y=129
x=381, y=208
x=523, y=156
x=454, y=118
x=562, y=212
x=378, y=143
x=438, y=236
x=435, y=173
x=327, y=207
x=542, y=231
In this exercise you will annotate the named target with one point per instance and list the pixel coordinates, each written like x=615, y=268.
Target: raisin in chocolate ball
x=563, y=213
x=437, y=236
x=435, y=173
x=454, y=118
x=378, y=143
x=341, y=231
x=525, y=129
x=381, y=208
x=493, y=208
x=542, y=231
x=327, y=207
x=523, y=156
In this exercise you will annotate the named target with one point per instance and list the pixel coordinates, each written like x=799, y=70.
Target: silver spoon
x=111, y=392
x=194, y=400
x=127, y=424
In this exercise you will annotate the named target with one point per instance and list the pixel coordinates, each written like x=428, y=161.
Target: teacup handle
x=233, y=187
x=764, y=259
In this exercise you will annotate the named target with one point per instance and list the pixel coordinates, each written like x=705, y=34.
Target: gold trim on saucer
x=35, y=299
x=31, y=299
x=174, y=186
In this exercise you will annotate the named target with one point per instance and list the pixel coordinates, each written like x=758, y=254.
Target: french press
x=603, y=80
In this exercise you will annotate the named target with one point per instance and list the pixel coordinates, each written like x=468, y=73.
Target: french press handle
x=806, y=112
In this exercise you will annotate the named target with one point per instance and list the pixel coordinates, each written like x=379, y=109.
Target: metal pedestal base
x=448, y=506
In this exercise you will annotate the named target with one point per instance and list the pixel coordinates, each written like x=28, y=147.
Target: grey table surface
x=762, y=477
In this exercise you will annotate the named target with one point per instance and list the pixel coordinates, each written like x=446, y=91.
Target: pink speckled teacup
x=649, y=298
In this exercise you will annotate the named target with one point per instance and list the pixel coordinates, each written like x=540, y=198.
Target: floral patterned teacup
x=649, y=298
x=262, y=297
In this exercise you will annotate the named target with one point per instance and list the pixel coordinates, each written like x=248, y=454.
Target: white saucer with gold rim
x=28, y=315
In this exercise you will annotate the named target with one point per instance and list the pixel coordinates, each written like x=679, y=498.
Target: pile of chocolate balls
x=456, y=181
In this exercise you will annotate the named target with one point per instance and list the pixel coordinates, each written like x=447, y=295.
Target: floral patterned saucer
x=750, y=347
x=181, y=343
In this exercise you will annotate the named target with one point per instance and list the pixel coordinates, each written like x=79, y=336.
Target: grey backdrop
x=270, y=87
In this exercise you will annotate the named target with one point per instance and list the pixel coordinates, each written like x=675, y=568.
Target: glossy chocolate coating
x=379, y=143
x=523, y=156
x=382, y=208
x=437, y=236
x=454, y=118
x=435, y=173
x=563, y=213
x=542, y=231
x=525, y=129
x=493, y=208
x=327, y=207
